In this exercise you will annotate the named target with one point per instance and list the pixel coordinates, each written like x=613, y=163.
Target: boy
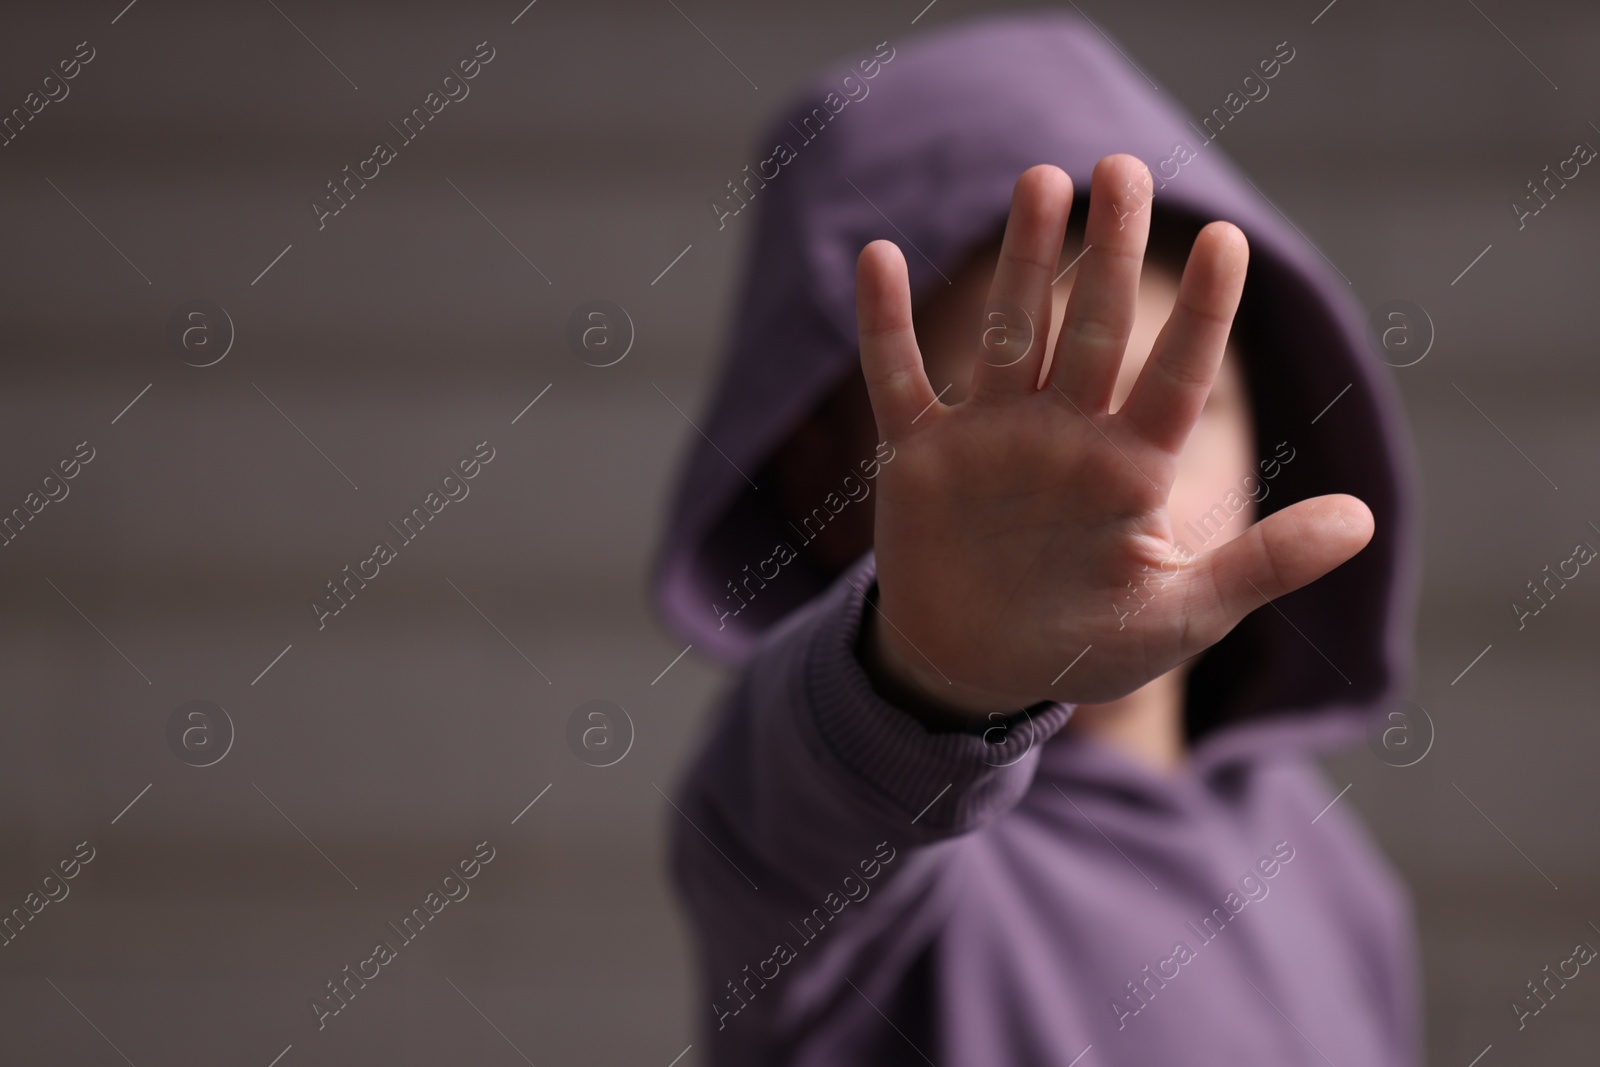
x=1014, y=770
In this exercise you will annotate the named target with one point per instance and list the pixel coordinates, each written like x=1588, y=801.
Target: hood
x=924, y=150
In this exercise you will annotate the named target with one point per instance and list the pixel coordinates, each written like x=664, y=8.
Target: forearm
x=810, y=767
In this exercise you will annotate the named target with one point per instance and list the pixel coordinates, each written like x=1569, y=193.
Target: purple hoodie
x=863, y=890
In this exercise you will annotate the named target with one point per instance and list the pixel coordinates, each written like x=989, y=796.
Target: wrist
x=904, y=677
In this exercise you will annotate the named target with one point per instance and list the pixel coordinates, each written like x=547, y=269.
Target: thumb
x=1284, y=551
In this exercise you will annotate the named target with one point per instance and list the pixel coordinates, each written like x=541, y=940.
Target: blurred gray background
x=425, y=317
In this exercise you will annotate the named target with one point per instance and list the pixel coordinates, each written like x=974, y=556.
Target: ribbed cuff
x=947, y=782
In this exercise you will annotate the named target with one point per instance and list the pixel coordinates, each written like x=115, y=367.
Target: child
x=1017, y=768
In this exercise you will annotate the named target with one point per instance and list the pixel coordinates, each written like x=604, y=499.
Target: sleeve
x=811, y=790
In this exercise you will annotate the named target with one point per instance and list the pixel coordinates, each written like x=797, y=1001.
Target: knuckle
x=1095, y=331
x=1205, y=312
x=1031, y=259
x=1274, y=565
x=1181, y=373
x=879, y=332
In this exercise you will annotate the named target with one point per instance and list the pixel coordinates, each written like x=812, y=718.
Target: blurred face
x=1210, y=501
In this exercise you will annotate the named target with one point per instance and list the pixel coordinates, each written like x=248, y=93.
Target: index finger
x=1173, y=384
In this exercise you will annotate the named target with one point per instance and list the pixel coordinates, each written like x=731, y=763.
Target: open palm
x=1011, y=523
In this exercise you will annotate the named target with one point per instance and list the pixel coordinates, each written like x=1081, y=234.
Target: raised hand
x=1011, y=523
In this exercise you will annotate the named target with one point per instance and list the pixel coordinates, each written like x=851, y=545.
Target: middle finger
x=1104, y=299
